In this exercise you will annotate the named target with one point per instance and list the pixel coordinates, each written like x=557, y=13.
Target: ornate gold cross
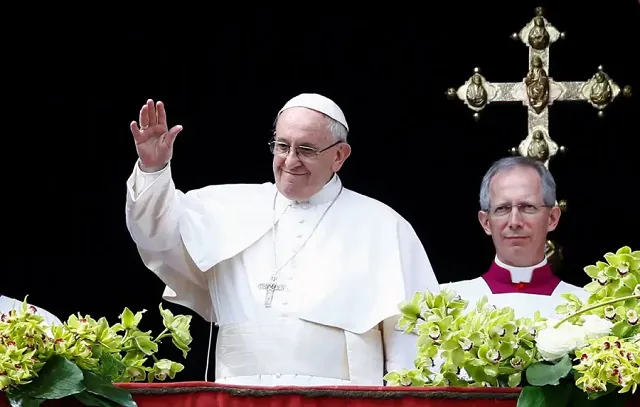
x=538, y=90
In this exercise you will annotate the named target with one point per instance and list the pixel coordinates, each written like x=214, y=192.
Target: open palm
x=154, y=140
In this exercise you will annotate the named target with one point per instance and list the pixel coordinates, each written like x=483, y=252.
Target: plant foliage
x=83, y=357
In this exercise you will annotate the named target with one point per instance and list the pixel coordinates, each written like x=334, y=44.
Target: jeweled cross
x=538, y=90
x=271, y=287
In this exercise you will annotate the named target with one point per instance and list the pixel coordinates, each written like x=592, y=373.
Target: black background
x=73, y=83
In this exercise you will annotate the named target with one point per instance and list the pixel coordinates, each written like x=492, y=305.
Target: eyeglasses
x=282, y=149
x=525, y=209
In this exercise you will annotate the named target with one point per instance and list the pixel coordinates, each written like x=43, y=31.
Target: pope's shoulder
x=233, y=195
x=256, y=193
x=372, y=205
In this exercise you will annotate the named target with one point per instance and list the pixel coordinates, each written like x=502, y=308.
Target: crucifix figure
x=538, y=91
x=271, y=287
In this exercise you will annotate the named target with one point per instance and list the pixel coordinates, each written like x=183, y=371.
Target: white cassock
x=525, y=289
x=214, y=247
x=7, y=304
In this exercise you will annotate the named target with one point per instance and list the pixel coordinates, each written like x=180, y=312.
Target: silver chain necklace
x=272, y=285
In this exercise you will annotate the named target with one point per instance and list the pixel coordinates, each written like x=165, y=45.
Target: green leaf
x=58, y=378
x=93, y=400
x=532, y=396
x=546, y=396
x=17, y=399
x=542, y=374
x=110, y=367
x=101, y=387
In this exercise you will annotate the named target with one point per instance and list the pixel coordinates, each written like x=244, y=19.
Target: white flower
x=595, y=327
x=554, y=343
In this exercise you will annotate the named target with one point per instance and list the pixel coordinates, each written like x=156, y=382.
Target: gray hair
x=547, y=183
x=335, y=127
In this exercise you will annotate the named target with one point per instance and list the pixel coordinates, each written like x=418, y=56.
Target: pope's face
x=520, y=234
x=299, y=176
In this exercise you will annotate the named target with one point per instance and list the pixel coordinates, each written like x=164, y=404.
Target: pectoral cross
x=271, y=287
x=538, y=90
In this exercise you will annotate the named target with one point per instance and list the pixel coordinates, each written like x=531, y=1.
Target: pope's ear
x=344, y=151
x=483, y=218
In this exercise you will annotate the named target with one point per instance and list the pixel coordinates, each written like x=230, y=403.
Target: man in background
x=518, y=209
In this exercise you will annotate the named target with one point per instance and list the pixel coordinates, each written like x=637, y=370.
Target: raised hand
x=154, y=140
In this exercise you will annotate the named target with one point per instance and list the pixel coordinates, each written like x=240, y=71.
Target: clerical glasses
x=282, y=148
x=523, y=208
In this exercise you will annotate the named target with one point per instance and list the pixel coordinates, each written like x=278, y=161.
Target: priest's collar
x=538, y=279
x=328, y=192
x=520, y=274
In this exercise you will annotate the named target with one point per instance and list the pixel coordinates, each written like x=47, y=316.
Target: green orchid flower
x=84, y=353
x=615, y=278
x=608, y=362
x=165, y=368
x=178, y=328
x=489, y=346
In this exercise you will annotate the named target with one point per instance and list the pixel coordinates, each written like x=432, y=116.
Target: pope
x=302, y=276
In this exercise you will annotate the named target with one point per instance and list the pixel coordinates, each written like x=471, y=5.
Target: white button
x=301, y=221
x=299, y=235
x=285, y=302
